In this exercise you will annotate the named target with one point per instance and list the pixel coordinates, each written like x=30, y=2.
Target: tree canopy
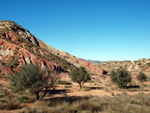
x=121, y=77
x=31, y=77
x=80, y=75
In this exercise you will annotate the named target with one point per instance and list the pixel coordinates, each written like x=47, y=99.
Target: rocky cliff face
x=132, y=66
x=18, y=46
x=12, y=56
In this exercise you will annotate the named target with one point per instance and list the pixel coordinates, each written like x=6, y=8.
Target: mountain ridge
x=30, y=49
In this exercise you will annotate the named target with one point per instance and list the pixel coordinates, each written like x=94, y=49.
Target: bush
x=121, y=77
x=9, y=103
x=142, y=77
x=31, y=77
x=80, y=76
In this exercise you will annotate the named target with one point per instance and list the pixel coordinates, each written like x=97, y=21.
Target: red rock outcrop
x=25, y=57
x=10, y=36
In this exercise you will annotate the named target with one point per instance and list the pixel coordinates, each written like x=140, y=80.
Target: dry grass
x=26, y=99
x=116, y=104
x=28, y=110
x=9, y=103
x=42, y=107
x=86, y=89
x=13, y=104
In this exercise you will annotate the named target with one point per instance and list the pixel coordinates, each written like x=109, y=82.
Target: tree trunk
x=37, y=96
x=44, y=93
x=80, y=85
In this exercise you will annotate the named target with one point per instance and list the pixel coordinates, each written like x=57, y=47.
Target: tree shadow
x=92, y=88
x=68, y=99
x=58, y=91
x=133, y=86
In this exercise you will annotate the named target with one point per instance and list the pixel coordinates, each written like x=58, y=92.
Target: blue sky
x=90, y=29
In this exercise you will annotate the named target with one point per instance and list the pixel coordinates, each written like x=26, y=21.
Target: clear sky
x=90, y=29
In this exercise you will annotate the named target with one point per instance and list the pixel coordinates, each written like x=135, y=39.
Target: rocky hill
x=18, y=46
x=132, y=66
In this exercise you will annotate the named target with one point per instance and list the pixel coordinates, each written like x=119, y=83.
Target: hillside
x=18, y=46
x=94, y=61
x=132, y=66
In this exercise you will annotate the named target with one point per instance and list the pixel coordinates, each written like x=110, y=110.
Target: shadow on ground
x=95, y=88
x=58, y=91
x=68, y=99
x=133, y=86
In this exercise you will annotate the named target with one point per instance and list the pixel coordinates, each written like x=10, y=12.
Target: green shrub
x=121, y=77
x=80, y=76
x=31, y=77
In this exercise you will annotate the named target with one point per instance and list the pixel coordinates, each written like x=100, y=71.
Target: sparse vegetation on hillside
x=80, y=76
x=132, y=66
x=31, y=77
x=121, y=77
x=12, y=62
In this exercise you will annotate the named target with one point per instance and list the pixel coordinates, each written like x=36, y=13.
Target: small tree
x=31, y=77
x=80, y=76
x=142, y=77
x=121, y=77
